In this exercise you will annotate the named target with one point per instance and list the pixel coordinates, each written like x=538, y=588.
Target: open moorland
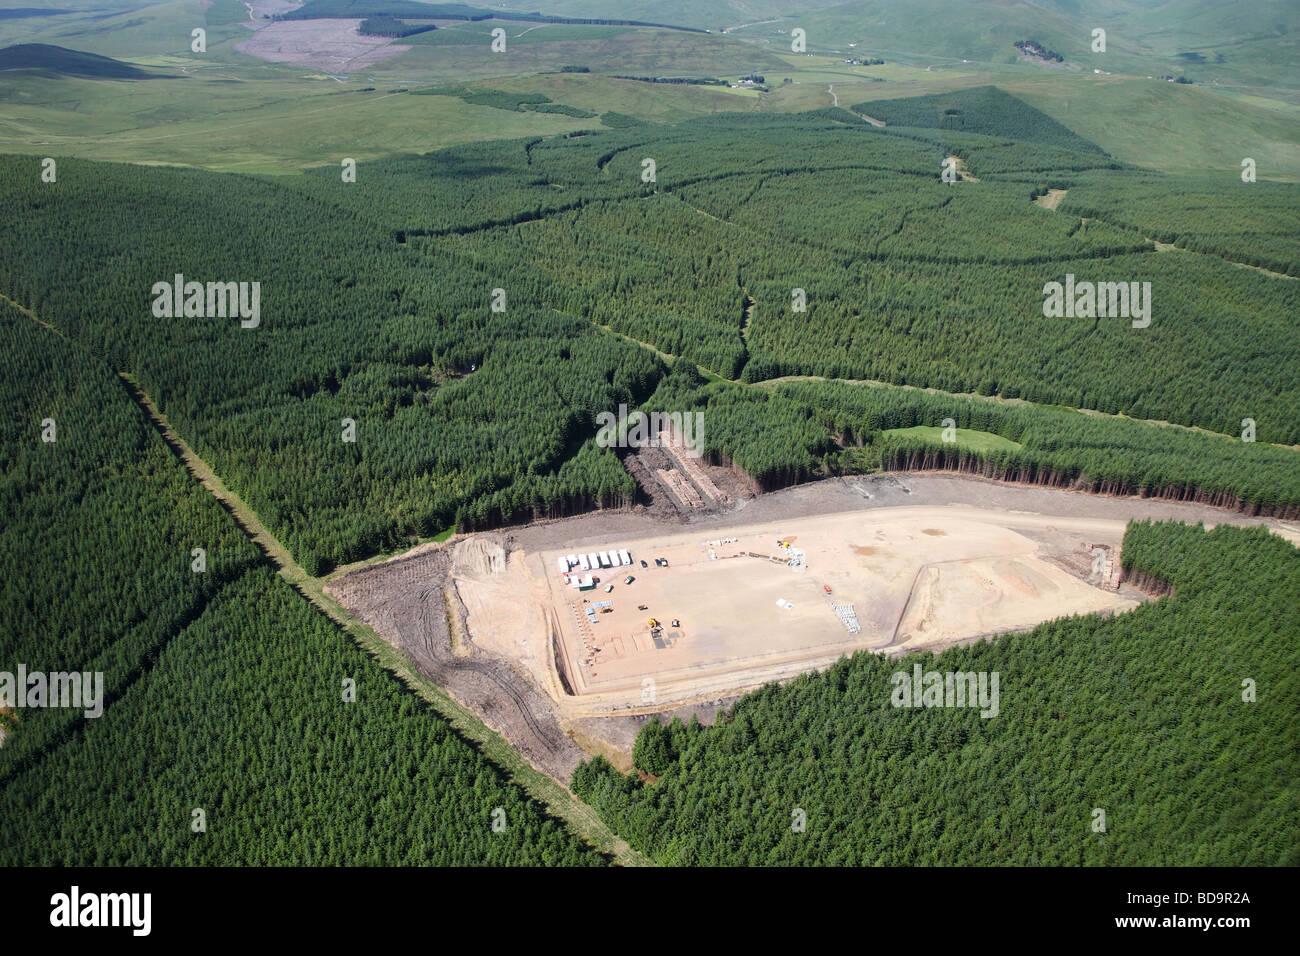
x=282, y=85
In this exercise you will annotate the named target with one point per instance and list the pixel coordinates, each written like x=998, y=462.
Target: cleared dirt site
x=565, y=661
x=326, y=44
x=736, y=607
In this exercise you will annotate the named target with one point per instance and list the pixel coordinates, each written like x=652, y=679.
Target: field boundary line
x=546, y=790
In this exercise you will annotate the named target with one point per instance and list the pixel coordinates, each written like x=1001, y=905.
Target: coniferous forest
x=1142, y=715
x=474, y=407
x=430, y=350
x=223, y=688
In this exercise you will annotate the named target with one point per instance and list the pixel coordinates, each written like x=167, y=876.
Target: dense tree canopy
x=223, y=688
x=379, y=301
x=464, y=317
x=1143, y=715
x=473, y=407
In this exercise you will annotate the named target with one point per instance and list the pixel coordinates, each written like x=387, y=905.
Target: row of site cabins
x=591, y=562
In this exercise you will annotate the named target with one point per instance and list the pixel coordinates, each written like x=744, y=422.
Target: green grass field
x=278, y=119
x=146, y=29
x=276, y=125
x=461, y=53
x=230, y=111
x=1160, y=125
x=967, y=438
x=1252, y=47
x=479, y=34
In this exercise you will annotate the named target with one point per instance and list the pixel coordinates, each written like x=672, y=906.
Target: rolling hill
x=1206, y=41
x=413, y=9
x=984, y=109
x=60, y=61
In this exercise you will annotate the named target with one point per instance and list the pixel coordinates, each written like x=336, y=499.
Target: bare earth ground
x=331, y=45
x=1052, y=199
x=954, y=558
x=913, y=577
x=662, y=472
x=270, y=8
x=412, y=601
x=962, y=171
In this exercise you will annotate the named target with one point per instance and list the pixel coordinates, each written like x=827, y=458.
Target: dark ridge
x=413, y=10
x=982, y=109
x=23, y=13
x=47, y=58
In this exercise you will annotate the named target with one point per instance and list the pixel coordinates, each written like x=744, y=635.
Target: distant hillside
x=414, y=10
x=22, y=13
x=711, y=15
x=714, y=15
x=56, y=59
x=983, y=109
x=1236, y=42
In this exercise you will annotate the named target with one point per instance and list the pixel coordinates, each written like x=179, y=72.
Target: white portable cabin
x=624, y=557
x=563, y=564
x=594, y=561
x=605, y=561
x=573, y=560
x=582, y=563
